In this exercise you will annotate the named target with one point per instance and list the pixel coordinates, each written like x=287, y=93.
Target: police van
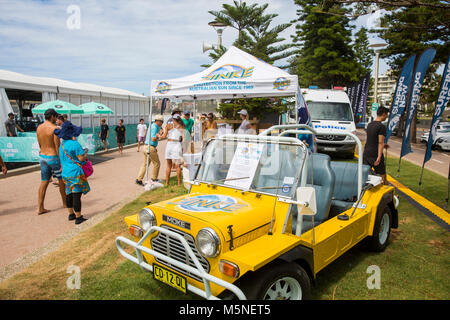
x=331, y=112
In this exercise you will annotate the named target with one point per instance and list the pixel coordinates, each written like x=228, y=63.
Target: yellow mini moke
x=262, y=218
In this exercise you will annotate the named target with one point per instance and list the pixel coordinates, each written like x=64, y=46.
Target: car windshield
x=445, y=129
x=330, y=111
x=265, y=167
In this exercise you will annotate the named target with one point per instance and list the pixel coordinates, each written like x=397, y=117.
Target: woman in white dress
x=174, y=132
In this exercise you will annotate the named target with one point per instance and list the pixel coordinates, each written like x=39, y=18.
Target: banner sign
x=442, y=101
x=349, y=94
x=419, y=75
x=360, y=115
x=19, y=149
x=357, y=94
x=400, y=96
x=302, y=110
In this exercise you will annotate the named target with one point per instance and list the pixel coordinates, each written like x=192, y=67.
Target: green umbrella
x=95, y=108
x=59, y=106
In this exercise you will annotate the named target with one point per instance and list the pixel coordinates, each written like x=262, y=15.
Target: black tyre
x=381, y=231
x=280, y=281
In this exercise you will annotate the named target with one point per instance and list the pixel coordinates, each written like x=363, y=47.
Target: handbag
x=87, y=167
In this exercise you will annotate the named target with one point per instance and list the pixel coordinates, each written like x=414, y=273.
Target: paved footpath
x=22, y=231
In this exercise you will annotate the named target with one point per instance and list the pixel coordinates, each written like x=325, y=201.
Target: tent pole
x=149, y=131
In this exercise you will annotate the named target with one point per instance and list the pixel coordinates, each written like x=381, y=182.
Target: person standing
x=11, y=126
x=373, y=150
x=141, y=133
x=72, y=157
x=150, y=151
x=174, y=152
x=104, y=133
x=188, y=121
x=49, y=158
x=210, y=128
x=245, y=124
x=189, y=125
x=59, y=122
x=120, y=136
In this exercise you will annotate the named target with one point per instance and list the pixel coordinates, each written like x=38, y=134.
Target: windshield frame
x=311, y=108
x=257, y=139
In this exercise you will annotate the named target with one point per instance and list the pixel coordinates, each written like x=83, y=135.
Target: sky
x=118, y=43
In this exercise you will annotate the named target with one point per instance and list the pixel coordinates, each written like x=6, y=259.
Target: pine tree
x=325, y=56
x=363, y=54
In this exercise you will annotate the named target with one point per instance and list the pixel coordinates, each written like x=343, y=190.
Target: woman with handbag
x=75, y=169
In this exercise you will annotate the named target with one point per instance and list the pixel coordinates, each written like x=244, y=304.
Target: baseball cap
x=159, y=117
x=187, y=112
x=243, y=111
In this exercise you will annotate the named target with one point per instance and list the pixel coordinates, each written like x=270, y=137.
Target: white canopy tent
x=236, y=74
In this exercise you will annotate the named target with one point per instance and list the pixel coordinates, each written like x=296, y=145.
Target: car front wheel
x=281, y=281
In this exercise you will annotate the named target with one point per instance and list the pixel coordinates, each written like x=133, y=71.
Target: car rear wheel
x=280, y=281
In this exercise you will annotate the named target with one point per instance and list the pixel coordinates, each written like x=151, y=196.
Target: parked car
x=262, y=218
x=443, y=129
x=331, y=112
x=443, y=143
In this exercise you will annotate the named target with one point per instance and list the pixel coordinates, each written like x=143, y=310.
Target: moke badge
x=176, y=222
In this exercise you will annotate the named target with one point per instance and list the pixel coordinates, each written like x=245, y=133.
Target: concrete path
x=22, y=230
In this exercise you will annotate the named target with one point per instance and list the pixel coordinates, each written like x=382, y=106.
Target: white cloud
x=123, y=44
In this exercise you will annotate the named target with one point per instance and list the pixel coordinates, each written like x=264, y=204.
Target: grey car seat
x=346, y=185
x=322, y=178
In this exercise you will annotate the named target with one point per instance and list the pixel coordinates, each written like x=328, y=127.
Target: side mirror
x=307, y=196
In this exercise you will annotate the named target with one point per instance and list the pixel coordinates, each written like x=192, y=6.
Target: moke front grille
x=174, y=249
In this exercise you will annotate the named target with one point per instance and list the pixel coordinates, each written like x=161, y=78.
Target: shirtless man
x=49, y=158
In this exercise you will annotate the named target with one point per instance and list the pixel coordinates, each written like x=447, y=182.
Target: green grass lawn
x=413, y=266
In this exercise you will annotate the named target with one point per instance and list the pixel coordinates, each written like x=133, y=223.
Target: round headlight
x=208, y=242
x=147, y=219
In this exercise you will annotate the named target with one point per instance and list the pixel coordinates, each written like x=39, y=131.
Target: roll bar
x=308, y=128
x=288, y=126
x=348, y=134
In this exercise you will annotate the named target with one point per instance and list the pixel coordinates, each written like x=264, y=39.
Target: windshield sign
x=330, y=111
x=265, y=167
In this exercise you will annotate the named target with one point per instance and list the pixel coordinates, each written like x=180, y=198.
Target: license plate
x=170, y=278
x=329, y=149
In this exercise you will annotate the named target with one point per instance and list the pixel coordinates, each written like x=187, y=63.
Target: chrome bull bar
x=198, y=270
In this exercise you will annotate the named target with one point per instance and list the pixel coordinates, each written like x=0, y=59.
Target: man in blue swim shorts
x=49, y=158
